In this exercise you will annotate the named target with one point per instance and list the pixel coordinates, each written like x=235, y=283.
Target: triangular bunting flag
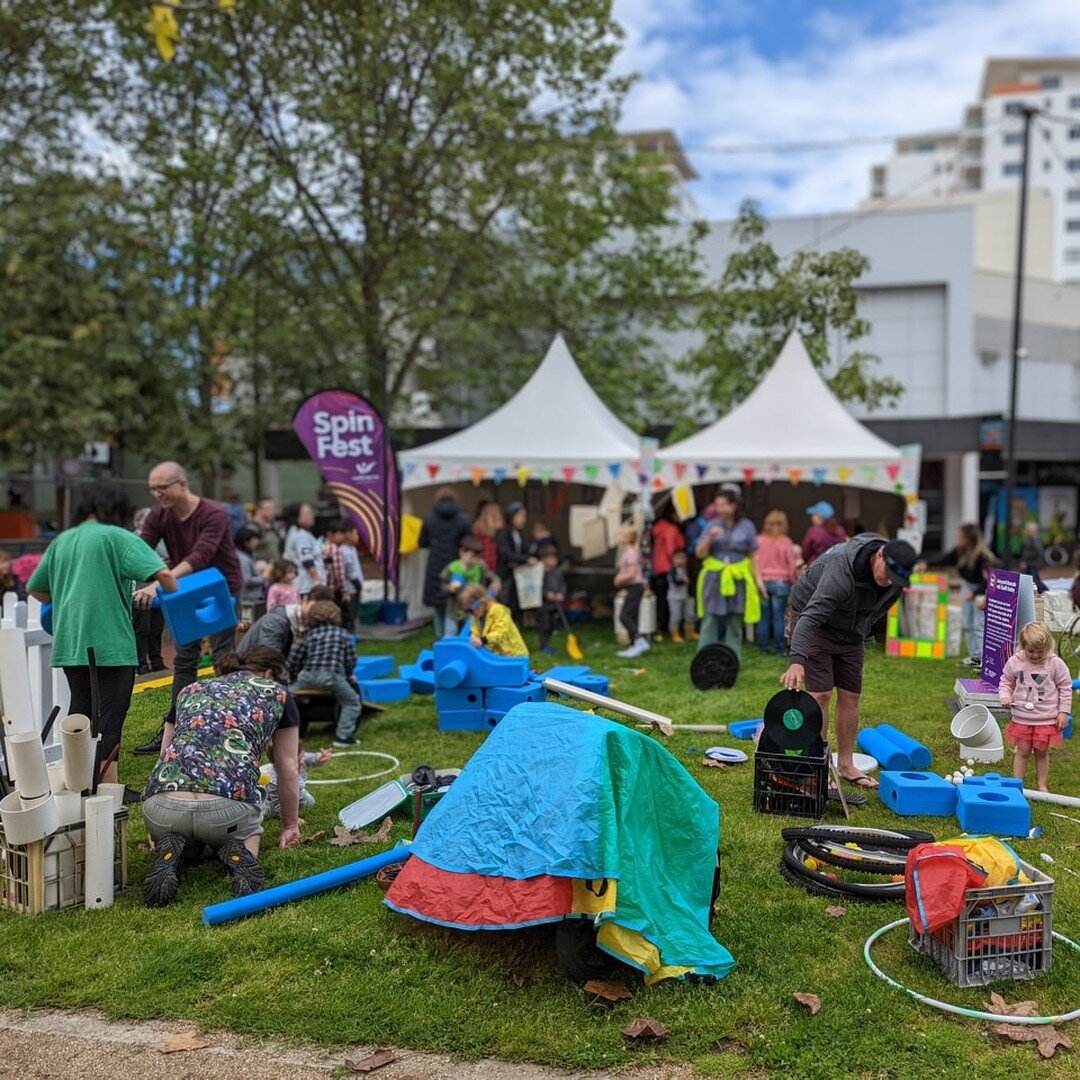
x=794, y=475
x=523, y=474
x=568, y=472
x=892, y=471
x=456, y=472
x=680, y=469
x=868, y=473
x=433, y=471
x=657, y=465
x=615, y=468
x=748, y=474
x=819, y=476
x=498, y=475
x=843, y=474
x=410, y=468
x=701, y=470
x=590, y=472
x=545, y=475
x=477, y=475
x=658, y=483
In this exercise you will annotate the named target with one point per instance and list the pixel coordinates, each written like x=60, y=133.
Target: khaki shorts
x=209, y=821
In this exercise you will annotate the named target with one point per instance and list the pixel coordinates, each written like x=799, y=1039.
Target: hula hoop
x=959, y=1010
x=395, y=765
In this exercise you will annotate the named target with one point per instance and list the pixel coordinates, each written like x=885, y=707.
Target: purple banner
x=345, y=436
x=999, y=635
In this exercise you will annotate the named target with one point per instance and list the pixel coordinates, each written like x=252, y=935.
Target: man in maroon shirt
x=197, y=535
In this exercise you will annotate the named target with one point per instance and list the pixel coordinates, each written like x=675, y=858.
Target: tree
x=745, y=317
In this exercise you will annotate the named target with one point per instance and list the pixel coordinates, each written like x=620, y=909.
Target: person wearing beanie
x=825, y=532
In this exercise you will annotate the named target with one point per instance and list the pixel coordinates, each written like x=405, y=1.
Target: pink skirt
x=1033, y=736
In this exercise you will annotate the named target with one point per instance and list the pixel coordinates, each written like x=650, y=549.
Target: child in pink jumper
x=1036, y=686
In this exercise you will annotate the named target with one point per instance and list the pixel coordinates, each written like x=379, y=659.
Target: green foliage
x=340, y=968
x=761, y=297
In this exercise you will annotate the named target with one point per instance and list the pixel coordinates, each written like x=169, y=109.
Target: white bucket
x=25, y=826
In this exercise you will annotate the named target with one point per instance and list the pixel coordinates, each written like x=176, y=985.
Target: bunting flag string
x=701, y=470
x=568, y=472
x=615, y=468
x=819, y=476
x=409, y=468
x=748, y=474
x=456, y=472
x=433, y=470
x=523, y=473
x=545, y=474
x=658, y=483
x=498, y=475
x=892, y=471
x=590, y=472
x=843, y=474
x=794, y=475
x=477, y=475
x=868, y=472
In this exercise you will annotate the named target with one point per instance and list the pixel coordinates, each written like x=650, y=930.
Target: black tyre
x=578, y=954
x=794, y=869
x=860, y=860
x=873, y=839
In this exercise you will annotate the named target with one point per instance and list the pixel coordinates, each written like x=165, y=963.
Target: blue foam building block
x=993, y=804
x=504, y=698
x=459, y=698
x=426, y=660
x=879, y=746
x=373, y=667
x=911, y=793
x=420, y=681
x=481, y=668
x=744, y=729
x=384, y=690
x=492, y=717
x=918, y=754
x=598, y=684
x=566, y=672
x=202, y=605
x=462, y=720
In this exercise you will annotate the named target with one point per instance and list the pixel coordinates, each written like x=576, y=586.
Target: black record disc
x=714, y=667
x=792, y=720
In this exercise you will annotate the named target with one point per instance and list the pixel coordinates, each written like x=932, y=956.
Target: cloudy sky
x=736, y=72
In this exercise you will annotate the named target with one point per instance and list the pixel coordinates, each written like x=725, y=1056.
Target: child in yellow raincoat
x=492, y=624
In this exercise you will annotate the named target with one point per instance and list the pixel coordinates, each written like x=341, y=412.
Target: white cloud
x=715, y=89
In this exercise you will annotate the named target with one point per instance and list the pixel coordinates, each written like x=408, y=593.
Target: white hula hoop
x=392, y=767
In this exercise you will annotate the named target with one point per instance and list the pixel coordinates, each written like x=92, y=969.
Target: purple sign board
x=346, y=438
x=1010, y=603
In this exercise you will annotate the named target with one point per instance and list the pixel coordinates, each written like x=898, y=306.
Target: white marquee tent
x=554, y=428
x=790, y=427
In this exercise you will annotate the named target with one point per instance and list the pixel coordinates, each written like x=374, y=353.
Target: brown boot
x=692, y=634
x=677, y=637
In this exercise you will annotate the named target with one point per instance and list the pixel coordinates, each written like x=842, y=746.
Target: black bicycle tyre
x=861, y=860
x=872, y=839
x=792, y=859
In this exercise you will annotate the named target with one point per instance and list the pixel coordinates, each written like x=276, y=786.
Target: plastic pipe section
x=78, y=746
x=216, y=914
x=1051, y=797
x=100, y=851
x=27, y=757
x=975, y=726
x=557, y=687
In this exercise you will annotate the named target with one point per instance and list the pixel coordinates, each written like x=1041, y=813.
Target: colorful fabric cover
x=564, y=814
x=936, y=877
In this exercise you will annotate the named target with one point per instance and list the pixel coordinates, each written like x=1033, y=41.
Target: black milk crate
x=1002, y=933
x=794, y=785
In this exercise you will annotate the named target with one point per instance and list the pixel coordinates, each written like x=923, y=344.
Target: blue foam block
x=993, y=804
x=481, y=668
x=426, y=660
x=911, y=793
x=462, y=720
x=202, y=605
x=566, y=672
x=373, y=667
x=879, y=746
x=492, y=717
x=454, y=700
x=420, y=681
x=744, y=729
x=504, y=698
x=919, y=755
x=384, y=690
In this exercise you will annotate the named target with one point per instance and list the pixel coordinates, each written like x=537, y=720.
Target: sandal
x=861, y=781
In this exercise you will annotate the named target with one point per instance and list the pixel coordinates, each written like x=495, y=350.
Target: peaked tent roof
x=555, y=421
x=791, y=420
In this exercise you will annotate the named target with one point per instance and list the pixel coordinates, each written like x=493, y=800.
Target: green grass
x=341, y=968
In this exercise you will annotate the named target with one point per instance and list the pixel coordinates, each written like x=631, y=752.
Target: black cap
x=900, y=559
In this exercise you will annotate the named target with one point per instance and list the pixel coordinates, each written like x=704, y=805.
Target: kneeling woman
x=204, y=787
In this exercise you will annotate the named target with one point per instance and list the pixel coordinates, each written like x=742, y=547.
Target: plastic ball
x=970, y=761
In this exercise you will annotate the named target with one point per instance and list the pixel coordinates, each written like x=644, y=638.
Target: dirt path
x=39, y=1045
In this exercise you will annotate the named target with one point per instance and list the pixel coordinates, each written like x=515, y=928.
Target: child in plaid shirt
x=323, y=659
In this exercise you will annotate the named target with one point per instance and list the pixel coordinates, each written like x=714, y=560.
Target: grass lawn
x=341, y=968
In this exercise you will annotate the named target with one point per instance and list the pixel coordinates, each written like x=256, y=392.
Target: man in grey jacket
x=834, y=607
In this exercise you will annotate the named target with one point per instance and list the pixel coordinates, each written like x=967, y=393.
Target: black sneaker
x=244, y=869
x=153, y=746
x=161, y=884
x=131, y=796
x=352, y=740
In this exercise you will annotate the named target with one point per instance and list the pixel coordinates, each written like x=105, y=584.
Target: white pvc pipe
x=68, y=807
x=56, y=777
x=1051, y=797
x=100, y=852
x=115, y=792
x=24, y=826
x=26, y=758
x=715, y=728
x=557, y=687
x=78, y=746
x=975, y=726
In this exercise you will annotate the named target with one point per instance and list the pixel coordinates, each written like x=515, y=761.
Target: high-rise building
x=984, y=152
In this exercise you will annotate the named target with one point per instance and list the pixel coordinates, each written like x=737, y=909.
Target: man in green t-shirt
x=88, y=573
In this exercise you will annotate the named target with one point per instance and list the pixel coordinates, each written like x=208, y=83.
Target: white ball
x=971, y=761
x=969, y=772
x=958, y=777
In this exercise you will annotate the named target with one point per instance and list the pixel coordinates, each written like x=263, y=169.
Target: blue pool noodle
x=919, y=754
x=216, y=914
x=879, y=746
